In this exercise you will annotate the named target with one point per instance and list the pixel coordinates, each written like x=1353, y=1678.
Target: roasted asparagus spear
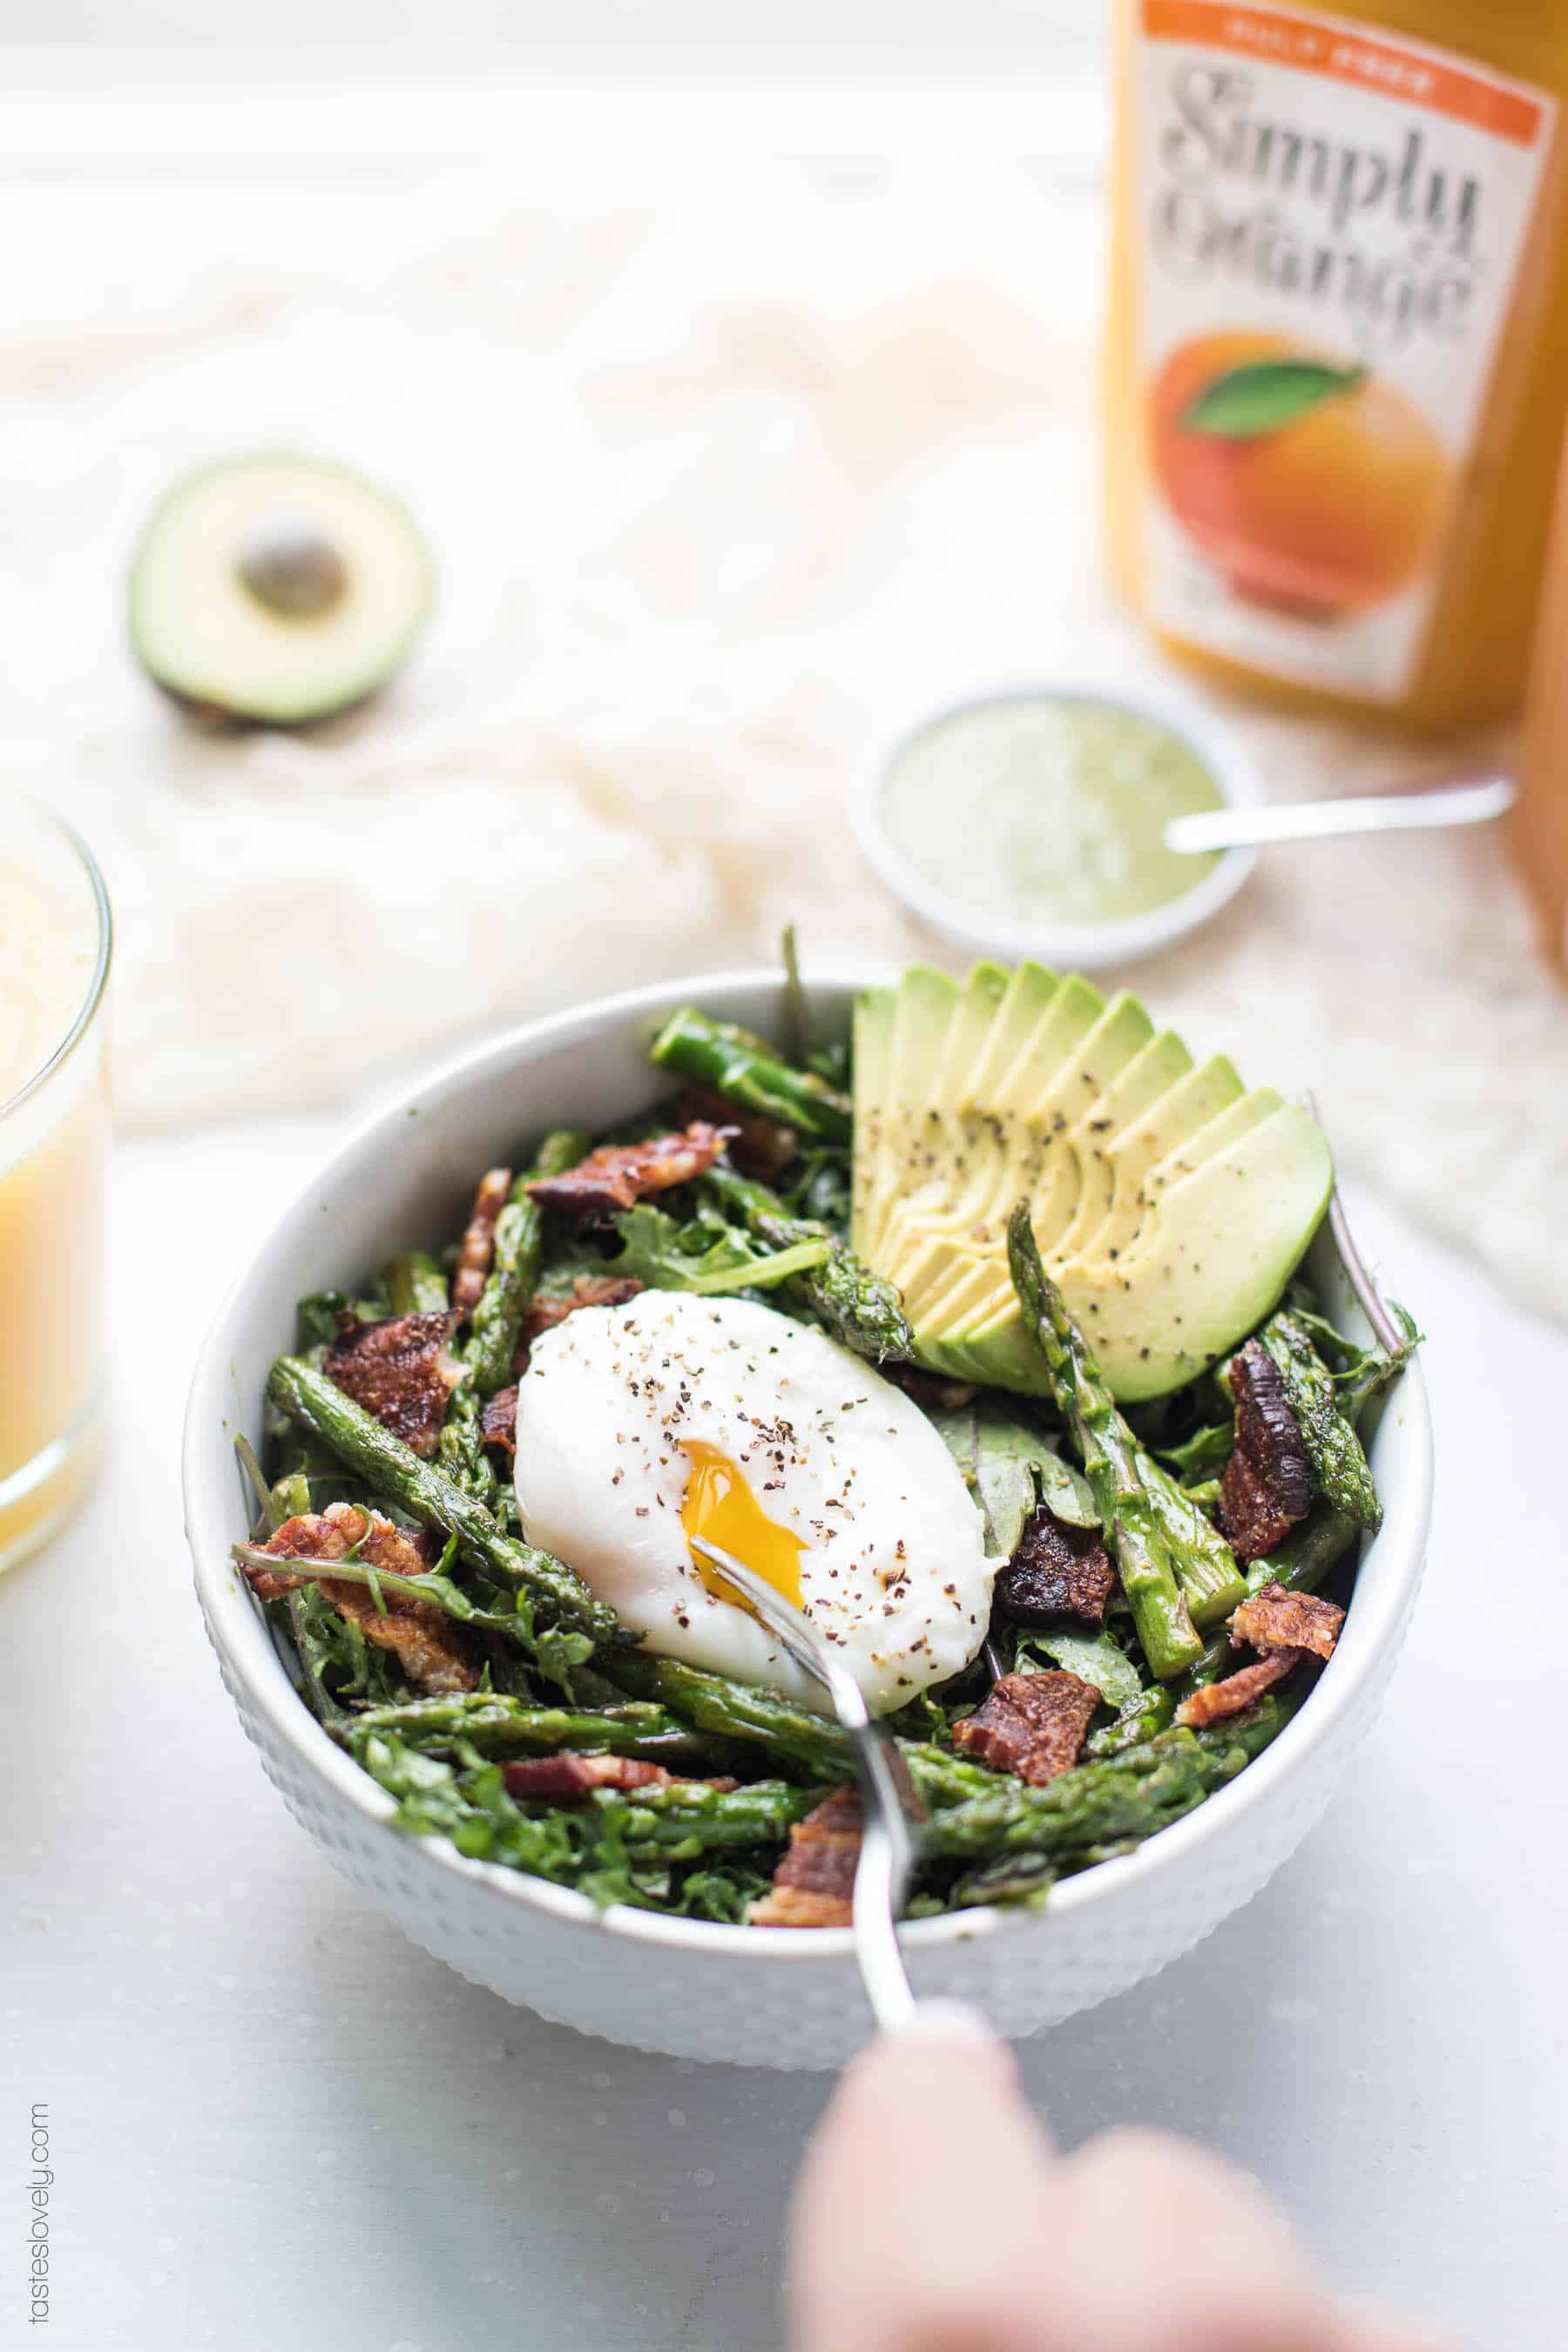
x=1133, y=1528
x=747, y=1072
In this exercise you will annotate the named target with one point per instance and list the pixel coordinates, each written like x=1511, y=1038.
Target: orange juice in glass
x=53, y=1150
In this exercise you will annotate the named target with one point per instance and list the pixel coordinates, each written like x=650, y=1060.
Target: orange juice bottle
x=1338, y=342
x=54, y=1143
x=1541, y=819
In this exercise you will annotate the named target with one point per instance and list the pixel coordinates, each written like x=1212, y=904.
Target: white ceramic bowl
x=758, y=1997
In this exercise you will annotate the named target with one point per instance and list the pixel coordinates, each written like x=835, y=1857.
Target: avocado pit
x=293, y=569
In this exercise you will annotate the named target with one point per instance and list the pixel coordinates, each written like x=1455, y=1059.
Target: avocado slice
x=1029, y=996
x=940, y=1144
x=1176, y=1120
x=276, y=590
x=1051, y=1171
x=1040, y=1023
x=1225, y=1240
x=900, y=1135
x=1139, y=1088
x=1170, y=1203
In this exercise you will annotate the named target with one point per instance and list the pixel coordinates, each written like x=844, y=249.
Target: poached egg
x=673, y=1415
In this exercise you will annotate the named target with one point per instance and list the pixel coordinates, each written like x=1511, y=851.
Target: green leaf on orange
x=1261, y=396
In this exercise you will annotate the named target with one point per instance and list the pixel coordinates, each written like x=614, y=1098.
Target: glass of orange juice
x=55, y=939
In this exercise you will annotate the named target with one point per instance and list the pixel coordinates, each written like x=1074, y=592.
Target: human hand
x=934, y=2214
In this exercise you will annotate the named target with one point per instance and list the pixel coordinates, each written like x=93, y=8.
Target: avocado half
x=276, y=590
x=1171, y=1204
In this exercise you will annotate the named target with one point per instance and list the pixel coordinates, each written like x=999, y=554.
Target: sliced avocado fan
x=276, y=590
x=1170, y=1204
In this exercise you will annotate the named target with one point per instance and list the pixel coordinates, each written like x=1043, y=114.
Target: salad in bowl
x=982, y=1326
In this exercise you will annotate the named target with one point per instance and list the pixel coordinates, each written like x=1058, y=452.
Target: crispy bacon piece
x=565, y=1779
x=331, y=1533
x=759, y=1147
x=1267, y=1482
x=1239, y=1691
x=813, y=1883
x=1031, y=1725
x=402, y=1370
x=422, y=1635
x=478, y=1246
x=1274, y=1619
x=1058, y=1574
x=617, y=1174
x=498, y=1422
x=568, y=1777
x=588, y=1290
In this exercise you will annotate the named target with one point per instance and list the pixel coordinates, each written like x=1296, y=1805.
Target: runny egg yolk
x=720, y=1506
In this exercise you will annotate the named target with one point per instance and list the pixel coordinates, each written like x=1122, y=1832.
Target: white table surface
x=276, y=2123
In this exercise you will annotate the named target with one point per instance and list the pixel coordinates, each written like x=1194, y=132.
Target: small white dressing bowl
x=1078, y=947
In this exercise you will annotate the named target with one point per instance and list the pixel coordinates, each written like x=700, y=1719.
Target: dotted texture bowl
x=755, y=1997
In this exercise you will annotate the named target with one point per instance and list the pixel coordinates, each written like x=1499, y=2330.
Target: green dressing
x=1048, y=809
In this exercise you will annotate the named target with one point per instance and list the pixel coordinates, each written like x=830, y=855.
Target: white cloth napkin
x=724, y=491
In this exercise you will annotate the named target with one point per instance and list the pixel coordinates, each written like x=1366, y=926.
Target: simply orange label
x=1331, y=223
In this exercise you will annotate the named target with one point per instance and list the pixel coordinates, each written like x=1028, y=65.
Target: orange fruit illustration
x=1333, y=509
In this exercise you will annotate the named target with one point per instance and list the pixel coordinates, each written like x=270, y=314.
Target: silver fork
x=1362, y=1282
x=888, y=1798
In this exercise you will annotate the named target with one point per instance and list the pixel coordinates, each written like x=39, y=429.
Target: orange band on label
x=1345, y=54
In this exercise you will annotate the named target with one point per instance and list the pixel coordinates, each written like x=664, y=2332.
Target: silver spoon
x=887, y=1839
x=1240, y=828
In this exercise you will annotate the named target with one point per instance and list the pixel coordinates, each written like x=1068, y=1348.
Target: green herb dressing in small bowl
x=1034, y=822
